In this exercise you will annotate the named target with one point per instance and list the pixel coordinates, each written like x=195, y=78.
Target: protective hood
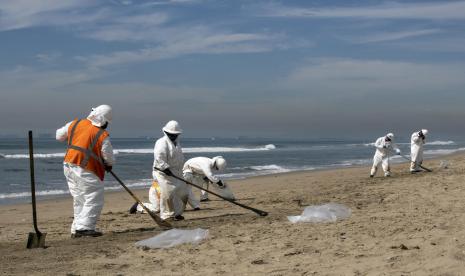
x=100, y=115
x=424, y=131
x=172, y=127
x=220, y=162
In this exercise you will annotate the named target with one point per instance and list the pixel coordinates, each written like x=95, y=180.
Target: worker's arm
x=62, y=133
x=107, y=152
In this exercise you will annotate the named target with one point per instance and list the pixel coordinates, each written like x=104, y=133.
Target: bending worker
x=384, y=146
x=416, y=149
x=199, y=170
x=168, y=158
x=89, y=155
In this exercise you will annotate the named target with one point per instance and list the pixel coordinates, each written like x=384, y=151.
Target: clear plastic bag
x=444, y=164
x=174, y=237
x=329, y=212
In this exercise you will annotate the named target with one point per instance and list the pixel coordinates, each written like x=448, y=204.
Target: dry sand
x=403, y=225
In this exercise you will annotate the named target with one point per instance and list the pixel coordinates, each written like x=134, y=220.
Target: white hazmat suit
x=154, y=199
x=168, y=155
x=416, y=149
x=384, y=146
x=86, y=188
x=199, y=171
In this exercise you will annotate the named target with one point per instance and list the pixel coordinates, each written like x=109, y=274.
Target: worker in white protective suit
x=154, y=201
x=384, y=147
x=168, y=161
x=88, y=156
x=416, y=150
x=199, y=171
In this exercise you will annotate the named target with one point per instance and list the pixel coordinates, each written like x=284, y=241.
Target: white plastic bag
x=174, y=237
x=329, y=212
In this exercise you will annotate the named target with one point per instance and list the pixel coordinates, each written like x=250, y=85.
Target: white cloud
x=20, y=14
x=48, y=57
x=375, y=77
x=183, y=41
x=392, y=36
x=391, y=10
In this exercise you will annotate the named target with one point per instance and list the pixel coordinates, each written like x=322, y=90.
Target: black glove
x=206, y=179
x=168, y=172
x=220, y=184
x=108, y=168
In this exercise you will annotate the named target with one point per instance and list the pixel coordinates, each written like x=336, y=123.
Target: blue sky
x=233, y=68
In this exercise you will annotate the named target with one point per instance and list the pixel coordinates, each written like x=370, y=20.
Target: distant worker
x=384, y=146
x=88, y=156
x=416, y=150
x=168, y=158
x=199, y=171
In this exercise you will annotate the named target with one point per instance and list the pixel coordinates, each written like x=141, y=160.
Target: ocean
x=246, y=157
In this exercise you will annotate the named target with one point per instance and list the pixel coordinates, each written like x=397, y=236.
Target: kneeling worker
x=199, y=171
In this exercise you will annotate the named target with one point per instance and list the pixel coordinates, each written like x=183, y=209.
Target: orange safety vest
x=84, y=146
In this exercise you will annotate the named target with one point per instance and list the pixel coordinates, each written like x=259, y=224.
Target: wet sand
x=403, y=225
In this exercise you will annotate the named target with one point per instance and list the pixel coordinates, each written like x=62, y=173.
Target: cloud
x=376, y=78
x=445, y=10
x=48, y=58
x=183, y=41
x=21, y=14
x=392, y=36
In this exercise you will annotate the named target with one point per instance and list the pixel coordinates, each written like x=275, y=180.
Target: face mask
x=172, y=137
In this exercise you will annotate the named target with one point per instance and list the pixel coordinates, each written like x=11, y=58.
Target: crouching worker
x=154, y=201
x=384, y=146
x=89, y=155
x=199, y=171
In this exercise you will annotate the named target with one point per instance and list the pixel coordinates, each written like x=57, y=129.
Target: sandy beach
x=403, y=225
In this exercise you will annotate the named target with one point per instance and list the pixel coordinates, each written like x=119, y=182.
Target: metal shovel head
x=36, y=240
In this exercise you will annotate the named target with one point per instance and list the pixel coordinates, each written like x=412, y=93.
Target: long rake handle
x=157, y=219
x=257, y=211
x=424, y=168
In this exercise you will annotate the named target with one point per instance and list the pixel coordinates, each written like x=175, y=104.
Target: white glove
x=398, y=151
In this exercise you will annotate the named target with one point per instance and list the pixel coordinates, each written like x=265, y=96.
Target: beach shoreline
x=26, y=200
x=421, y=212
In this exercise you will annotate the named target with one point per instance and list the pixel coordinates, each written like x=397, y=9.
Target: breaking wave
x=443, y=151
x=148, y=151
x=441, y=143
x=38, y=193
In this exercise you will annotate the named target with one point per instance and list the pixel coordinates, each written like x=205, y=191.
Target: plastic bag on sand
x=329, y=212
x=174, y=237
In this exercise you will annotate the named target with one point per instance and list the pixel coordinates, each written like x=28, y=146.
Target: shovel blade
x=36, y=240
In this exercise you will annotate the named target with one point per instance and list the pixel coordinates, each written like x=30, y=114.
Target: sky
x=323, y=68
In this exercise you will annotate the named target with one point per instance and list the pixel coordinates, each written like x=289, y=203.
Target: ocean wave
x=36, y=155
x=227, y=149
x=38, y=193
x=134, y=151
x=272, y=167
x=441, y=143
x=442, y=151
x=148, y=151
x=354, y=162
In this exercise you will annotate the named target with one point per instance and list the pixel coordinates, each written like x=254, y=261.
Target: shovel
x=37, y=239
